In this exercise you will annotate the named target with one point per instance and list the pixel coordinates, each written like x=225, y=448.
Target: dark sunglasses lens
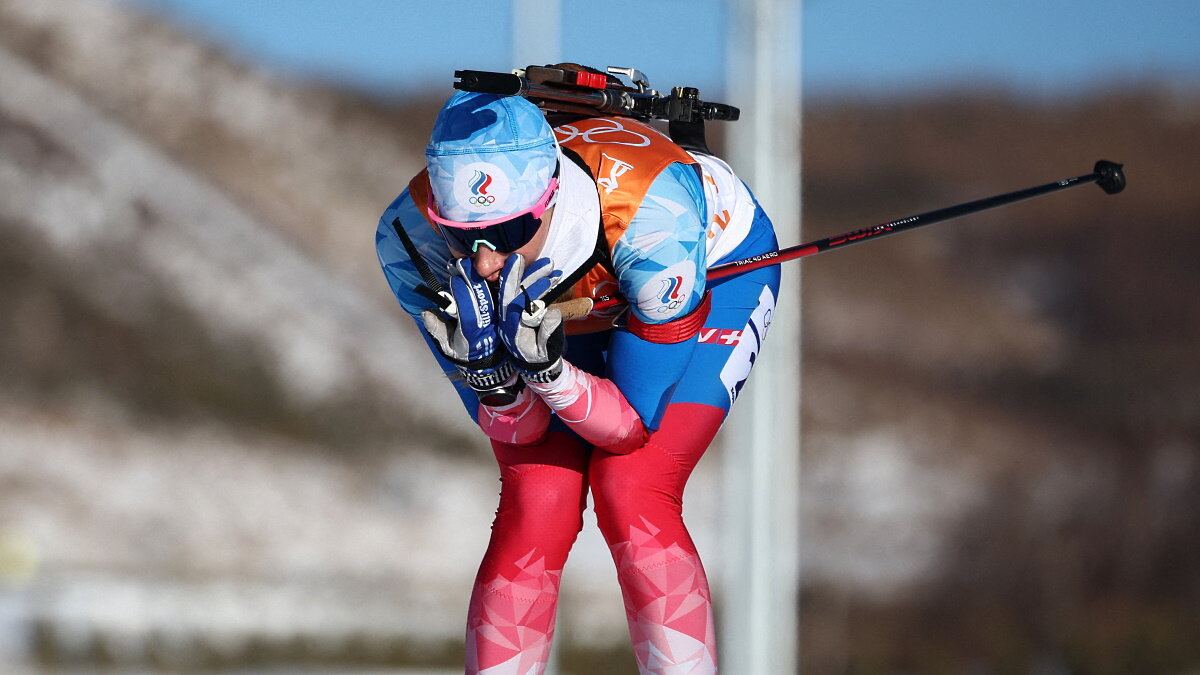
x=505, y=237
x=516, y=233
x=459, y=239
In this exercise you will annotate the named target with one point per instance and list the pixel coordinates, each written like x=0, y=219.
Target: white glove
x=532, y=333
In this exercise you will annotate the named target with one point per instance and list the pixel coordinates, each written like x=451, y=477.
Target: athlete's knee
x=544, y=499
x=543, y=489
x=630, y=490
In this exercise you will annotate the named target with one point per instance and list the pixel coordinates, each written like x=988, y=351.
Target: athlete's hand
x=532, y=333
x=466, y=332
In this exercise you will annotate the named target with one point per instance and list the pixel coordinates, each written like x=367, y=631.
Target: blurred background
x=223, y=449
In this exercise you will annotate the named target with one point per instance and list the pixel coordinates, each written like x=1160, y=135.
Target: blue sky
x=1038, y=47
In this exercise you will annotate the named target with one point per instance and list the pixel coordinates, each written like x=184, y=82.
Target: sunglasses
x=505, y=234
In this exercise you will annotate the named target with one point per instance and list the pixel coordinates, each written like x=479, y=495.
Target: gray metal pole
x=536, y=40
x=760, y=585
x=536, y=32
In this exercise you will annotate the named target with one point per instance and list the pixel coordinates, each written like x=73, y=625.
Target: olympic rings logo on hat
x=481, y=187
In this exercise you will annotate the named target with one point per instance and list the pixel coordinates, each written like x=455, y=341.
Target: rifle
x=563, y=89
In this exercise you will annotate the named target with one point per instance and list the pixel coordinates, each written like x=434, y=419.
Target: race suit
x=655, y=217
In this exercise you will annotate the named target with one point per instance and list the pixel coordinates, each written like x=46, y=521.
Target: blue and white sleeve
x=660, y=259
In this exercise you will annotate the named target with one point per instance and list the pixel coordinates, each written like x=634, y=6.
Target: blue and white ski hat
x=489, y=156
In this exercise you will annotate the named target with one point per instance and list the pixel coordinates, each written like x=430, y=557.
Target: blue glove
x=466, y=331
x=532, y=333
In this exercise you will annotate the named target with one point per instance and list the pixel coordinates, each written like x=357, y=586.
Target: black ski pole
x=1108, y=175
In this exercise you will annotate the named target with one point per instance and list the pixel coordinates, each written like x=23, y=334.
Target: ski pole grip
x=574, y=309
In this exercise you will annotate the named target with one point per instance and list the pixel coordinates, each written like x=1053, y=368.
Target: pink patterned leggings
x=638, y=500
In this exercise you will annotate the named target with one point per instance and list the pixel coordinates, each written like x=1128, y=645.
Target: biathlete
x=511, y=215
